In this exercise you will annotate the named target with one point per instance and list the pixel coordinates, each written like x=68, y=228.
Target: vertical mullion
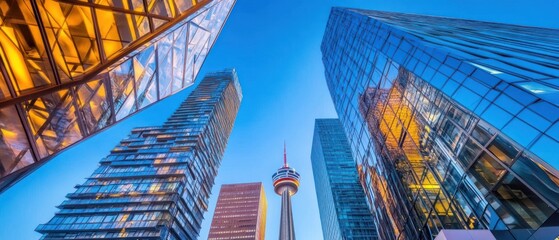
x=44, y=37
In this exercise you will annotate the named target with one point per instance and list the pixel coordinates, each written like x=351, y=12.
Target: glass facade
x=156, y=183
x=453, y=122
x=71, y=68
x=240, y=212
x=344, y=213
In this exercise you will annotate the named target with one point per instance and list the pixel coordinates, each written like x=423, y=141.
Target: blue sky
x=275, y=47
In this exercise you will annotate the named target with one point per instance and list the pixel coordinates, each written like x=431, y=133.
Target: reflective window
x=538, y=177
x=487, y=169
x=503, y=149
x=4, y=92
x=520, y=203
x=469, y=152
x=14, y=146
x=481, y=135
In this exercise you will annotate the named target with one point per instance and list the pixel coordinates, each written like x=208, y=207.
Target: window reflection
x=529, y=210
x=487, y=169
x=469, y=152
x=503, y=149
x=54, y=121
x=481, y=135
x=538, y=177
x=14, y=147
x=22, y=49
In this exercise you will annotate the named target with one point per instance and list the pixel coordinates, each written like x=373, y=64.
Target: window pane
x=14, y=147
x=538, y=178
x=469, y=152
x=481, y=135
x=520, y=203
x=503, y=149
x=487, y=169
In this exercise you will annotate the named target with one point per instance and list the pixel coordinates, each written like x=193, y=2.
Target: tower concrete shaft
x=287, y=230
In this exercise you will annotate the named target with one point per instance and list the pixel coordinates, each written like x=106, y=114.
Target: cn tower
x=286, y=184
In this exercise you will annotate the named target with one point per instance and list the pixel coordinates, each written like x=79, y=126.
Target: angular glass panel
x=487, y=169
x=481, y=135
x=459, y=116
x=4, y=92
x=53, y=121
x=163, y=8
x=522, y=204
x=15, y=151
x=93, y=104
x=158, y=22
x=546, y=149
x=122, y=83
x=144, y=74
x=538, y=177
x=451, y=134
x=71, y=35
x=179, y=54
x=184, y=5
x=21, y=48
x=469, y=152
x=165, y=65
x=519, y=130
x=503, y=149
x=134, y=5
x=118, y=30
x=149, y=95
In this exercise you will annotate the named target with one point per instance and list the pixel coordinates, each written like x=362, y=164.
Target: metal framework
x=70, y=69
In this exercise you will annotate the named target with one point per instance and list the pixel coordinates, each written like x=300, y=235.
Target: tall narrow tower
x=286, y=184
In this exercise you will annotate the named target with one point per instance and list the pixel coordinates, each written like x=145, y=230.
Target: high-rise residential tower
x=156, y=183
x=240, y=213
x=454, y=123
x=344, y=212
x=286, y=184
x=69, y=69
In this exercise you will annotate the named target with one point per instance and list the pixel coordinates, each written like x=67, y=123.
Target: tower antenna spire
x=284, y=155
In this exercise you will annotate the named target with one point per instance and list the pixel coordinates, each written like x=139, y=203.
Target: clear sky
x=275, y=47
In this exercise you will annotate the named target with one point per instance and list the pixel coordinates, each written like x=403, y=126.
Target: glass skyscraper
x=240, y=213
x=156, y=183
x=344, y=213
x=454, y=123
x=69, y=69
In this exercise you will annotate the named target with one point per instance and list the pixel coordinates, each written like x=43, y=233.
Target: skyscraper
x=454, y=123
x=286, y=184
x=240, y=213
x=156, y=183
x=344, y=213
x=69, y=69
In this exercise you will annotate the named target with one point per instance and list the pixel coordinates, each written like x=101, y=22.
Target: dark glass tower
x=156, y=183
x=344, y=213
x=454, y=122
x=69, y=69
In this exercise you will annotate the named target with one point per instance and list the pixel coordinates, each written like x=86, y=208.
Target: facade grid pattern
x=453, y=122
x=240, y=213
x=344, y=212
x=156, y=183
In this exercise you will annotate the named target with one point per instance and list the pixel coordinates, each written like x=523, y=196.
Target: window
x=487, y=169
x=523, y=204
x=503, y=149
x=538, y=177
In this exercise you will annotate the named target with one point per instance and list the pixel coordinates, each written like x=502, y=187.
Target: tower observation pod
x=286, y=184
